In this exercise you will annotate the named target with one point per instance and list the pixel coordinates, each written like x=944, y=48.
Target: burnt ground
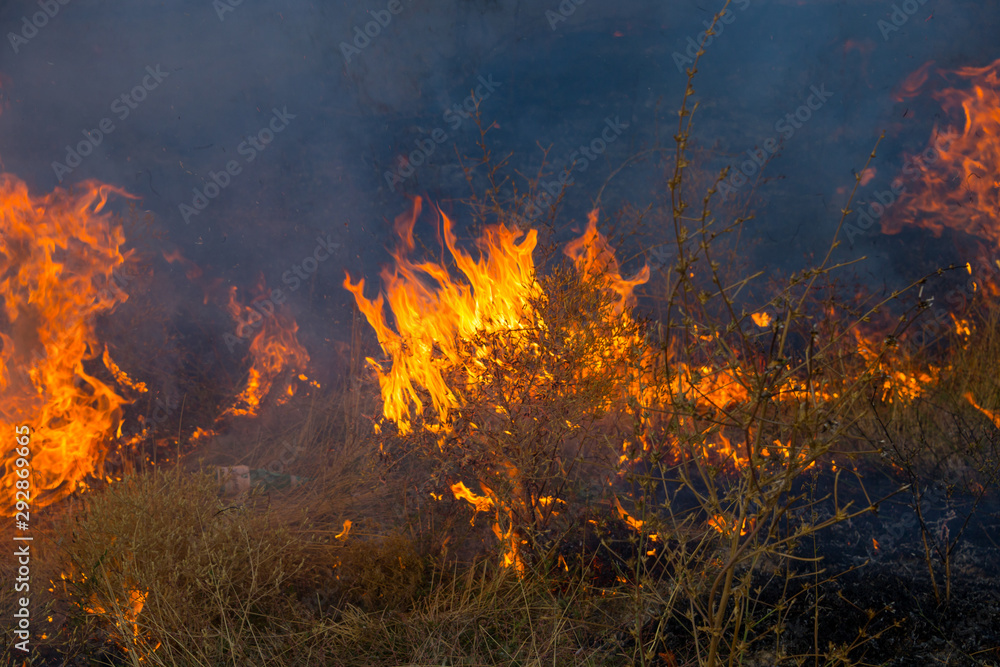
x=879, y=602
x=883, y=599
x=956, y=627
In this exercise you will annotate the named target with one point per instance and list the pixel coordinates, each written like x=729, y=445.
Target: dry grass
x=660, y=561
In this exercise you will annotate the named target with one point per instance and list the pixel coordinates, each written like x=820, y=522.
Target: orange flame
x=913, y=83
x=960, y=189
x=435, y=315
x=595, y=258
x=636, y=524
x=129, y=611
x=431, y=323
x=57, y=255
x=480, y=503
x=120, y=375
x=275, y=349
x=727, y=527
x=993, y=416
x=191, y=270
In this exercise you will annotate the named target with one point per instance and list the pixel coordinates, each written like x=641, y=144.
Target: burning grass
x=529, y=472
x=577, y=556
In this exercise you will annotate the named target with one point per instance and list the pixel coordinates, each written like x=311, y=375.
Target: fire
x=129, y=610
x=435, y=322
x=594, y=258
x=961, y=188
x=120, y=375
x=480, y=503
x=512, y=554
x=635, y=524
x=191, y=270
x=436, y=316
x=901, y=380
x=913, y=83
x=275, y=349
x=993, y=416
x=727, y=527
x=57, y=255
x=431, y=323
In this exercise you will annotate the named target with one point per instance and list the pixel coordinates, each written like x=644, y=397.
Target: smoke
x=368, y=82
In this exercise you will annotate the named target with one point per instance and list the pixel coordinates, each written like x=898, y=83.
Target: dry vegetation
x=673, y=556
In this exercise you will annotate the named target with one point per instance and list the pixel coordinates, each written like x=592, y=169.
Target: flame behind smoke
x=961, y=188
x=275, y=350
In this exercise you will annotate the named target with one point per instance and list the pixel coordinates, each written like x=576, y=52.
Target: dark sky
x=223, y=70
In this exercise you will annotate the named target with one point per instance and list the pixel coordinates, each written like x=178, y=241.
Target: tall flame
x=431, y=322
x=960, y=189
x=436, y=316
x=57, y=254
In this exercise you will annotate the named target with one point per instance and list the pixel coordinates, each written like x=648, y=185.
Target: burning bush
x=658, y=492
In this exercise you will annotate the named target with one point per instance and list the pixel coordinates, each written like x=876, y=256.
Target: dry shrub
x=379, y=574
x=478, y=616
x=217, y=583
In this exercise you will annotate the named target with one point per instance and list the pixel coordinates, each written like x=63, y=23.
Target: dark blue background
x=324, y=174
